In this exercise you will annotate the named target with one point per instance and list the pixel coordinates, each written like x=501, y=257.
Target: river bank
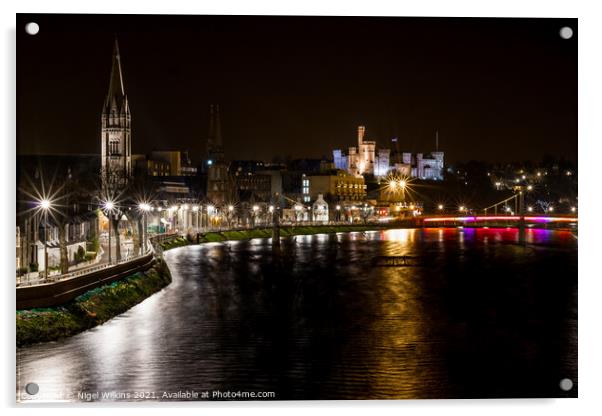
x=217, y=236
x=90, y=309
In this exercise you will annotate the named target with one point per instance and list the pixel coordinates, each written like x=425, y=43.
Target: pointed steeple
x=116, y=90
x=218, y=128
x=214, y=140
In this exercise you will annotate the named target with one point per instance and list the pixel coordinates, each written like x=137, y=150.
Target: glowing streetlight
x=530, y=209
x=145, y=208
x=108, y=207
x=573, y=209
x=440, y=207
x=551, y=209
x=255, y=208
x=530, y=188
x=230, y=208
x=462, y=208
x=45, y=205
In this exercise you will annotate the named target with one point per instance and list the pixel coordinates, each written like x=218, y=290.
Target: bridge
x=502, y=219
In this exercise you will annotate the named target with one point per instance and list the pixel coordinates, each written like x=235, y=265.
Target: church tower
x=116, y=132
x=217, y=168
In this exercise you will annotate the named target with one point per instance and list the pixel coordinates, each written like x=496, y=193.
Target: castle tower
x=217, y=168
x=361, y=130
x=116, y=130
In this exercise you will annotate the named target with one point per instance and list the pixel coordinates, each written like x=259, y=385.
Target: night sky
x=496, y=89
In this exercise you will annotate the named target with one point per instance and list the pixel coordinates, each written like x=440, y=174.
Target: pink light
x=502, y=218
x=555, y=219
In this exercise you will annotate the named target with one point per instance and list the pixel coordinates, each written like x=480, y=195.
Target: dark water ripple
x=479, y=316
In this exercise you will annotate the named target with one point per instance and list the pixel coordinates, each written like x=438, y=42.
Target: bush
x=33, y=266
x=94, y=244
x=80, y=255
x=90, y=255
x=21, y=271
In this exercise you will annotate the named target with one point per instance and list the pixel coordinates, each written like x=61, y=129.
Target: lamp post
x=255, y=209
x=144, y=207
x=210, y=209
x=109, y=209
x=230, y=212
x=45, y=205
x=195, y=209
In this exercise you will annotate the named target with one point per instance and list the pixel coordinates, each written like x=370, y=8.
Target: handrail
x=87, y=270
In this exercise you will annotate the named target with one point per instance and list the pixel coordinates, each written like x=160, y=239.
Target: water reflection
x=320, y=321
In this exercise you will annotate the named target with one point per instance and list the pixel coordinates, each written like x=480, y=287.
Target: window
x=114, y=147
x=305, y=186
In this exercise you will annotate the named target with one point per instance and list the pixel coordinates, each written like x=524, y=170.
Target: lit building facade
x=341, y=186
x=428, y=167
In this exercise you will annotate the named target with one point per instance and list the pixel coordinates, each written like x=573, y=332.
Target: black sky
x=496, y=89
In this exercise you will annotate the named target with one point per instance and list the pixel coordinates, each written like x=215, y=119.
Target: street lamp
x=210, y=209
x=45, y=205
x=255, y=209
x=144, y=207
x=440, y=207
x=108, y=207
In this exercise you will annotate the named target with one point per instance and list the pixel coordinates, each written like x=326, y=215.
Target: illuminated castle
x=364, y=159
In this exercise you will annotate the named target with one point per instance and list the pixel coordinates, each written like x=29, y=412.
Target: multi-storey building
x=340, y=186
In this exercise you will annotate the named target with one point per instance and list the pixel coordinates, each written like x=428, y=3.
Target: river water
x=472, y=315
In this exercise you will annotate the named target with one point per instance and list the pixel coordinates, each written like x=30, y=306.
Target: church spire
x=214, y=141
x=116, y=89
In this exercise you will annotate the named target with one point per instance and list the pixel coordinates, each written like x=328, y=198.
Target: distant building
x=218, y=181
x=177, y=160
x=320, y=210
x=428, y=167
x=339, y=186
x=382, y=164
x=149, y=167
